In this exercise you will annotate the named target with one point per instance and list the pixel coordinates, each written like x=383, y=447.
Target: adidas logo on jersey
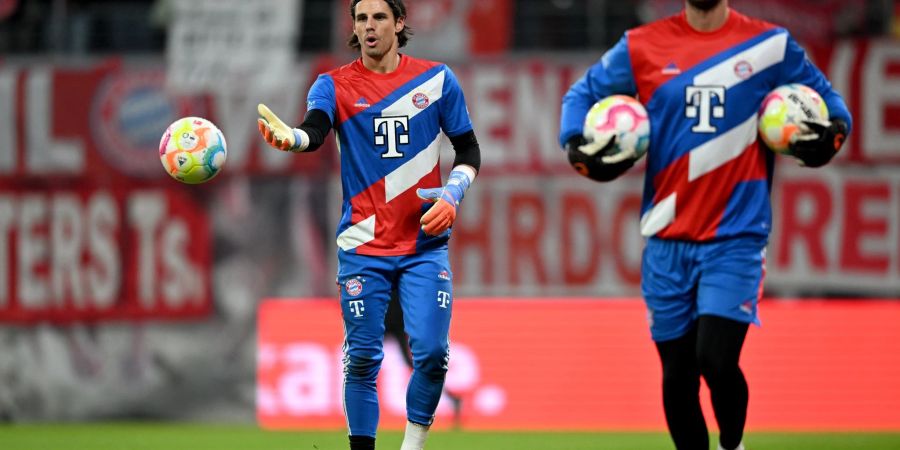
x=362, y=103
x=671, y=69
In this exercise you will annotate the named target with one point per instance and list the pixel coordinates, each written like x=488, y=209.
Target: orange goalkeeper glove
x=446, y=199
x=278, y=134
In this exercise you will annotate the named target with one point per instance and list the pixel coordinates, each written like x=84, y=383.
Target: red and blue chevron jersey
x=388, y=131
x=707, y=177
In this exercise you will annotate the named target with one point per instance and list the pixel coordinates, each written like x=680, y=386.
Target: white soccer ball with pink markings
x=192, y=150
x=622, y=117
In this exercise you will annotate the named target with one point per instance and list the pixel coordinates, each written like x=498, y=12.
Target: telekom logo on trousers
x=356, y=306
x=309, y=376
x=443, y=299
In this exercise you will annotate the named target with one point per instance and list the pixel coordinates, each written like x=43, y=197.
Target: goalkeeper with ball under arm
x=388, y=111
x=706, y=214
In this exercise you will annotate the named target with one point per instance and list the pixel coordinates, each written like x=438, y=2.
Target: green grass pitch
x=164, y=436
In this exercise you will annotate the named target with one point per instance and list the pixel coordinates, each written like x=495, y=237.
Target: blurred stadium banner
x=579, y=364
x=257, y=36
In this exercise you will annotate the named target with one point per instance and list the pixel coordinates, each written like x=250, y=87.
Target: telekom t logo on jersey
x=699, y=100
x=391, y=131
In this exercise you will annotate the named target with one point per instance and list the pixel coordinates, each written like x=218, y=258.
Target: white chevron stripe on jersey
x=761, y=56
x=702, y=160
x=659, y=216
x=723, y=148
x=407, y=175
x=404, y=106
x=358, y=234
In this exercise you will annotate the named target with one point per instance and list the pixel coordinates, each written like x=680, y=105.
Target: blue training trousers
x=423, y=282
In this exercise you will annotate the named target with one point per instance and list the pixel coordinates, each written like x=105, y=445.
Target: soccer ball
x=623, y=117
x=192, y=150
x=783, y=111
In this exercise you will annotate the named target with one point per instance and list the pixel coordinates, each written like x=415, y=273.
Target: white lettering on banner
x=46, y=154
x=836, y=231
x=7, y=213
x=50, y=248
x=104, y=275
x=881, y=91
x=32, y=250
x=536, y=102
x=70, y=256
x=182, y=281
x=308, y=380
x=66, y=235
x=555, y=236
x=145, y=212
x=489, y=116
x=8, y=151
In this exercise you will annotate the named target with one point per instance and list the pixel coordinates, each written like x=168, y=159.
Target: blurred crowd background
x=98, y=27
x=126, y=294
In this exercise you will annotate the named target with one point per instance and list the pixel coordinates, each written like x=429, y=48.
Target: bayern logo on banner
x=129, y=110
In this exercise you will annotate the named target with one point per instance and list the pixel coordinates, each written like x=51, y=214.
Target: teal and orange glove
x=446, y=199
x=278, y=134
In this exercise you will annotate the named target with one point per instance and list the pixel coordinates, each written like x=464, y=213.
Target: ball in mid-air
x=192, y=150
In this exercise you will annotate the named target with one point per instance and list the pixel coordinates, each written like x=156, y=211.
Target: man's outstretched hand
x=277, y=133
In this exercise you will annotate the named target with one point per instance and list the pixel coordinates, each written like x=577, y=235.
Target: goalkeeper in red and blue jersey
x=706, y=212
x=388, y=111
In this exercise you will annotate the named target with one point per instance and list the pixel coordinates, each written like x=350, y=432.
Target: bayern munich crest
x=420, y=100
x=353, y=287
x=127, y=115
x=743, y=70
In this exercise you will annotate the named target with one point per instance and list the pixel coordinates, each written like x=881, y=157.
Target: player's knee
x=433, y=361
x=716, y=367
x=680, y=376
x=361, y=366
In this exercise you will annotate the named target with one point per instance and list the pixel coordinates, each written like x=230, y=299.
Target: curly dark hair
x=399, y=10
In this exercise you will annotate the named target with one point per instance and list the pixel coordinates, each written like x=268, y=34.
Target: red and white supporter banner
x=579, y=364
x=83, y=253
